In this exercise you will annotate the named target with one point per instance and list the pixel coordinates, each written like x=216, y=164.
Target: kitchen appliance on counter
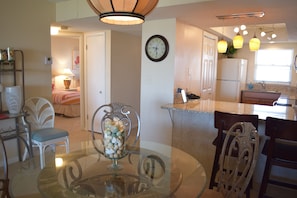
x=231, y=79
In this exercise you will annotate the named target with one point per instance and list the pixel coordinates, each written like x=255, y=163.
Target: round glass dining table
x=148, y=170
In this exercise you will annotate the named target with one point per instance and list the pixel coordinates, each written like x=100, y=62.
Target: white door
x=208, y=75
x=96, y=70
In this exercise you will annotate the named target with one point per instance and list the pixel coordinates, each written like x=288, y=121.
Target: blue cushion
x=45, y=134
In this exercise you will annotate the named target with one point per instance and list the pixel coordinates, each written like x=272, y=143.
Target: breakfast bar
x=193, y=127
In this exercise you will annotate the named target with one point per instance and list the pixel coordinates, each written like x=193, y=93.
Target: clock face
x=157, y=48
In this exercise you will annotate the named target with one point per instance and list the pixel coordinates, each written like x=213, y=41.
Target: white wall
x=125, y=69
x=157, y=84
x=25, y=25
x=188, y=58
x=159, y=80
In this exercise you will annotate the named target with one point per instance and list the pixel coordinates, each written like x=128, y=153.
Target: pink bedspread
x=66, y=97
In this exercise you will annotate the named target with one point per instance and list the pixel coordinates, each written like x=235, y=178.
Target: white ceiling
x=280, y=16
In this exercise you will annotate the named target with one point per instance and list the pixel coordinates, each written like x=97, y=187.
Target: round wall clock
x=156, y=48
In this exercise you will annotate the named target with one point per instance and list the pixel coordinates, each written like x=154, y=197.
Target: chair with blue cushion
x=41, y=117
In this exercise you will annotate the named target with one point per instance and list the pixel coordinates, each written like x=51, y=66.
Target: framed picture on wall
x=75, y=59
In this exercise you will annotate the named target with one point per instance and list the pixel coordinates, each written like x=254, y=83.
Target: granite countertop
x=209, y=106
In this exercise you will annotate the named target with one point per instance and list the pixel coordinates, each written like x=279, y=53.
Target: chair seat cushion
x=45, y=134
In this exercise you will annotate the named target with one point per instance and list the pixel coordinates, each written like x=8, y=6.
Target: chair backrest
x=281, y=130
x=121, y=113
x=41, y=113
x=4, y=187
x=280, y=149
x=223, y=121
x=238, y=159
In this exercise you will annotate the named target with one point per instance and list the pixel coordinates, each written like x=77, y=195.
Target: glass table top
x=148, y=170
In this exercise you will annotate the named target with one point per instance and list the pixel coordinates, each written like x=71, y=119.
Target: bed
x=66, y=103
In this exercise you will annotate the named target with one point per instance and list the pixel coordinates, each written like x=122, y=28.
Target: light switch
x=48, y=60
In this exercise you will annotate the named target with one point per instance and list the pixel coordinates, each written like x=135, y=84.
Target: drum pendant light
x=124, y=12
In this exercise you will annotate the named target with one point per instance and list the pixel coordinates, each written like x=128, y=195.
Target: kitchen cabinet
x=259, y=97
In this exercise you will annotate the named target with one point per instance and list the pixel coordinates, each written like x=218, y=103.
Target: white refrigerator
x=231, y=79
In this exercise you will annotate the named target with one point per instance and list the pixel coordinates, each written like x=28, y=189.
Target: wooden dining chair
x=4, y=180
x=42, y=131
x=237, y=161
x=223, y=121
x=281, y=151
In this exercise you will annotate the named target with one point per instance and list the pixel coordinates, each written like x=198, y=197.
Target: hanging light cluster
x=238, y=40
x=124, y=12
x=270, y=35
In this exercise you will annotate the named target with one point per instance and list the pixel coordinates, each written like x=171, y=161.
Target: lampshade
x=254, y=44
x=124, y=12
x=67, y=72
x=238, y=41
x=222, y=46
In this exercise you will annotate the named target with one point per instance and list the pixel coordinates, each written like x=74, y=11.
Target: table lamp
x=67, y=81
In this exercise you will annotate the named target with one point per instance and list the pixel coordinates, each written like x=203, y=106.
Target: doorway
x=67, y=50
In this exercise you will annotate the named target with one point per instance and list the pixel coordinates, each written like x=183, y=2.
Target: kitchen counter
x=209, y=106
x=193, y=128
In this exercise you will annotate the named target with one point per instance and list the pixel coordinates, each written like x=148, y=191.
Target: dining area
x=112, y=160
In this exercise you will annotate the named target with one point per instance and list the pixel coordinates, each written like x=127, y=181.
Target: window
x=273, y=65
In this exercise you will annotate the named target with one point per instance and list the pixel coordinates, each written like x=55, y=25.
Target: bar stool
x=223, y=121
x=281, y=151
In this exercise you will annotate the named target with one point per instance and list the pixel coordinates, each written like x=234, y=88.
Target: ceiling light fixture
x=55, y=30
x=242, y=15
x=222, y=44
x=243, y=27
x=254, y=43
x=238, y=41
x=124, y=12
x=236, y=29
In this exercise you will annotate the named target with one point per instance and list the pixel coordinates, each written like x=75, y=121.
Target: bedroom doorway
x=66, y=52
